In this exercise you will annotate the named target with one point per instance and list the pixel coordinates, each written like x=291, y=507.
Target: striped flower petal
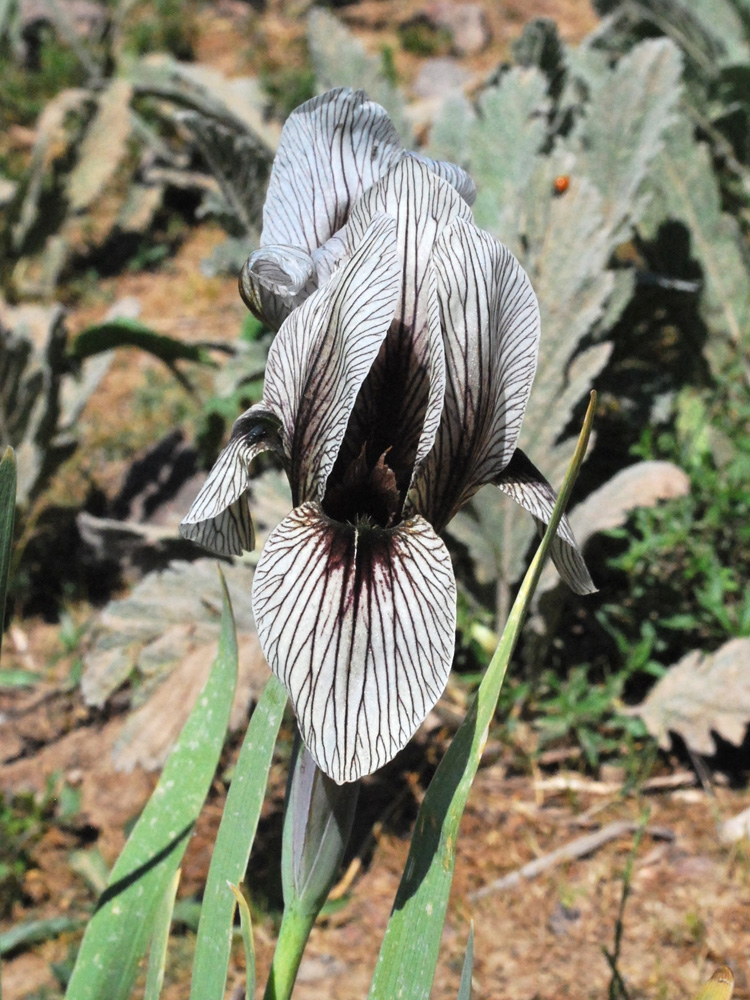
x=406, y=382
x=323, y=353
x=332, y=149
x=219, y=519
x=524, y=483
x=359, y=624
x=276, y=279
x=490, y=321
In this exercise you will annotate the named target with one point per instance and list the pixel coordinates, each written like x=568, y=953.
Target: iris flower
x=395, y=388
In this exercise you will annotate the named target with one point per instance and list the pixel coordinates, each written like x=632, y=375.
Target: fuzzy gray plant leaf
x=702, y=695
x=340, y=60
x=622, y=130
x=686, y=189
x=511, y=117
x=39, y=398
x=167, y=617
x=565, y=243
x=709, y=32
x=241, y=164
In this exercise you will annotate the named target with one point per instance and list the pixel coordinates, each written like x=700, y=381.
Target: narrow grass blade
x=409, y=953
x=7, y=514
x=233, y=843
x=246, y=923
x=118, y=933
x=157, y=958
x=464, y=989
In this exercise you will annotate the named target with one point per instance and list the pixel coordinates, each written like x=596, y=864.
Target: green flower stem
x=296, y=924
x=317, y=823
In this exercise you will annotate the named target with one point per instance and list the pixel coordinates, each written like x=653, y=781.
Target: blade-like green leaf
x=130, y=333
x=233, y=843
x=7, y=513
x=464, y=989
x=246, y=923
x=409, y=954
x=123, y=924
x=157, y=958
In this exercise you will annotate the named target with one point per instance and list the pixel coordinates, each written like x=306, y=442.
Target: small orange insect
x=561, y=184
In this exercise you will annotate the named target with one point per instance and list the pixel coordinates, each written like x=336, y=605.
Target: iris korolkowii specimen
x=395, y=388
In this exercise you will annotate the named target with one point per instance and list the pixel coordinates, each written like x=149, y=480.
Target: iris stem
x=296, y=925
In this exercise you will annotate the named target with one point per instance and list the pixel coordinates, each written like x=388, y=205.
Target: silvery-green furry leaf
x=340, y=60
x=565, y=242
x=685, y=188
x=623, y=127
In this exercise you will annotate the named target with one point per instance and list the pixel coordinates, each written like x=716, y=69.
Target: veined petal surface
x=219, y=518
x=407, y=378
x=323, y=353
x=276, y=279
x=359, y=624
x=456, y=176
x=524, y=483
x=332, y=149
x=490, y=321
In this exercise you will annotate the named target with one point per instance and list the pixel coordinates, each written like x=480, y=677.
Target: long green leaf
x=130, y=333
x=409, y=953
x=233, y=843
x=157, y=958
x=122, y=926
x=7, y=512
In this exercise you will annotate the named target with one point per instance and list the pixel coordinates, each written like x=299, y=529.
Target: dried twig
x=578, y=848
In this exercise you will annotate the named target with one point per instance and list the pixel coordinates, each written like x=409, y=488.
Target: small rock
x=440, y=77
x=466, y=23
x=736, y=828
x=563, y=918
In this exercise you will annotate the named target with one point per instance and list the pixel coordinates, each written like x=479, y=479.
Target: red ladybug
x=561, y=184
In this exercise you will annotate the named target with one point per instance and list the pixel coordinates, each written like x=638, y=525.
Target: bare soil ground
x=544, y=938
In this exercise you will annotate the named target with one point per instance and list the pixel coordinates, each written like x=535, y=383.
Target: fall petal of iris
x=524, y=483
x=359, y=624
x=219, y=518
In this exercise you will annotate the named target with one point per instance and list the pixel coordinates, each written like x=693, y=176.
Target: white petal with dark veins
x=524, y=483
x=359, y=624
x=323, y=353
x=219, y=519
x=490, y=321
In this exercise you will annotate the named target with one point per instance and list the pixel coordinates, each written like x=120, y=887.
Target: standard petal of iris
x=490, y=320
x=409, y=371
x=359, y=624
x=219, y=519
x=276, y=279
x=456, y=176
x=332, y=149
x=323, y=353
x=525, y=484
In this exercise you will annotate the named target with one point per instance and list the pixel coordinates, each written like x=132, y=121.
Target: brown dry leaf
x=700, y=695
